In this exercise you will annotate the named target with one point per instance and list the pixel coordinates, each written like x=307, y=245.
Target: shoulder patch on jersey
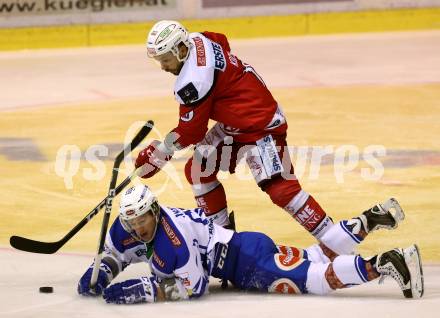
x=200, y=50
x=170, y=232
x=188, y=93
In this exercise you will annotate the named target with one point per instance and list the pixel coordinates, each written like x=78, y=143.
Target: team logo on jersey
x=170, y=233
x=187, y=116
x=289, y=258
x=200, y=50
x=188, y=93
x=283, y=286
x=219, y=57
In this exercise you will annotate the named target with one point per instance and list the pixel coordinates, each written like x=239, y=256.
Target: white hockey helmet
x=137, y=201
x=165, y=36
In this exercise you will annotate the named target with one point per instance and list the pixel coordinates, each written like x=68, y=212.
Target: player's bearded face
x=144, y=226
x=169, y=63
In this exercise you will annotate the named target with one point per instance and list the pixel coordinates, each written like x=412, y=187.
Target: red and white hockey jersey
x=215, y=84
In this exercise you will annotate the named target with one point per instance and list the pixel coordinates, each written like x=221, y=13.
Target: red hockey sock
x=309, y=214
x=213, y=201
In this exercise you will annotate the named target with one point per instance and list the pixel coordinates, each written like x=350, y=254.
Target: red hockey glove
x=151, y=159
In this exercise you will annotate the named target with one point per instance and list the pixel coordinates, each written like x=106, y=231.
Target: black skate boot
x=405, y=267
x=382, y=216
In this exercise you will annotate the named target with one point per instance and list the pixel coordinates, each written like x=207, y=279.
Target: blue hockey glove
x=105, y=276
x=132, y=291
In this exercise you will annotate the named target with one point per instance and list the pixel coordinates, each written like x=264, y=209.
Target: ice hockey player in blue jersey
x=184, y=248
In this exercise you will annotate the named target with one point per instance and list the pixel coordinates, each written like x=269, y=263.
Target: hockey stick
x=106, y=217
x=32, y=246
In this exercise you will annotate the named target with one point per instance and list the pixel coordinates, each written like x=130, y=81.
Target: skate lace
x=389, y=270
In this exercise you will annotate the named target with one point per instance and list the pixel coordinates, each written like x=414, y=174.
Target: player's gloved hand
x=105, y=276
x=152, y=159
x=132, y=291
x=173, y=289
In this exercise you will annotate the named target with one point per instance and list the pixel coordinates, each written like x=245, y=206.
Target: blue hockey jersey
x=184, y=247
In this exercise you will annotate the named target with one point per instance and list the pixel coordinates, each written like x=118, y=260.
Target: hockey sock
x=345, y=271
x=211, y=196
x=350, y=270
x=371, y=268
x=343, y=237
x=316, y=282
x=309, y=214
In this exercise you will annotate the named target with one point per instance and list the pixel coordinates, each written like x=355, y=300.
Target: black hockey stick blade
x=33, y=246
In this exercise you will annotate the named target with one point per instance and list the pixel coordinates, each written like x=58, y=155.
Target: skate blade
x=394, y=209
x=414, y=263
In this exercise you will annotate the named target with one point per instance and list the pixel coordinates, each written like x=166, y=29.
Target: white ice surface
x=23, y=273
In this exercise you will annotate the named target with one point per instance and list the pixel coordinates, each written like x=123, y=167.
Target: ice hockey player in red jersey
x=212, y=83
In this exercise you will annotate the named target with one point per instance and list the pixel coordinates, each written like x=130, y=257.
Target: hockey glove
x=152, y=159
x=132, y=291
x=105, y=276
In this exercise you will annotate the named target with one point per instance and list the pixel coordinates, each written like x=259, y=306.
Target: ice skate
x=383, y=216
x=405, y=267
